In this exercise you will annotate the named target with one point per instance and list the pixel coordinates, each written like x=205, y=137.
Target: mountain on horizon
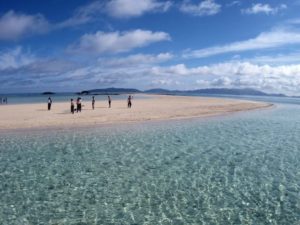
x=214, y=91
x=210, y=91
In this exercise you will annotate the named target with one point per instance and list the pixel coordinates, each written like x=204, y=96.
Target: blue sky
x=59, y=45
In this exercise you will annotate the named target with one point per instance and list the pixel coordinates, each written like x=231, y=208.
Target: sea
x=242, y=168
x=30, y=98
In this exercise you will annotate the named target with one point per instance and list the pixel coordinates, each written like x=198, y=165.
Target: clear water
x=240, y=169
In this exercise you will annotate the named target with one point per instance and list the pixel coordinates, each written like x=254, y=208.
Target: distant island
x=109, y=91
x=48, y=93
x=208, y=91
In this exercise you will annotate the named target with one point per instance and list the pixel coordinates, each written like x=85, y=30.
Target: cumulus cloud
x=15, y=58
x=136, y=60
x=17, y=62
x=19, y=68
x=263, y=8
x=133, y=8
x=232, y=74
x=266, y=40
x=116, y=42
x=276, y=59
x=14, y=25
x=204, y=8
x=179, y=69
x=22, y=71
x=284, y=78
x=231, y=68
x=114, y=8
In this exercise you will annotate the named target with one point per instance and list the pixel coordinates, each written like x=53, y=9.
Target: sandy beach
x=27, y=116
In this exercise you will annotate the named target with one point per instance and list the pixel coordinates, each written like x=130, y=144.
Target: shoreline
x=35, y=117
x=114, y=125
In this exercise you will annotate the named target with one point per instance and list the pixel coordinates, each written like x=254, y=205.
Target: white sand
x=154, y=108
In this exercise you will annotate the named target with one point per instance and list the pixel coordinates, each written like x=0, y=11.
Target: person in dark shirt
x=129, y=101
x=78, y=104
x=109, y=101
x=93, y=102
x=49, y=103
x=72, y=106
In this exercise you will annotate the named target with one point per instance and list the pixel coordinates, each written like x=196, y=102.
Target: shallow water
x=240, y=169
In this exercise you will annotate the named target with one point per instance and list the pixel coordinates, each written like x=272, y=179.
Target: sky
x=63, y=46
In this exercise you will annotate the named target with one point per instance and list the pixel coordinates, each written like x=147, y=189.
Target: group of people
x=93, y=102
x=3, y=100
x=79, y=103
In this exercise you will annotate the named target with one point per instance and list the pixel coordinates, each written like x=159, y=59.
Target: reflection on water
x=242, y=169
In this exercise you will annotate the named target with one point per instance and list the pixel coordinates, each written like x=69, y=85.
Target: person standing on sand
x=109, y=101
x=72, y=106
x=129, y=101
x=3, y=100
x=49, y=103
x=93, y=102
x=78, y=103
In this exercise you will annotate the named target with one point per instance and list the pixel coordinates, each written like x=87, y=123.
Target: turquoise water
x=239, y=169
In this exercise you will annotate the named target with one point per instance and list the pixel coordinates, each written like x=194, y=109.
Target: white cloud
x=233, y=3
x=21, y=63
x=204, y=8
x=276, y=59
x=83, y=15
x=165, y=82
x=15, y=58
x=116, y=42
x=134, y=8
x=18, y=67
x=179, y=69
x=272, y=39
x=15, y=25
x=136, y=60
x=284, y=78
x=264, y=8
x=231, y=69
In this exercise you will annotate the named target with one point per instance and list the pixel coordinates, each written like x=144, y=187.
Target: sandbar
x=155, y=107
